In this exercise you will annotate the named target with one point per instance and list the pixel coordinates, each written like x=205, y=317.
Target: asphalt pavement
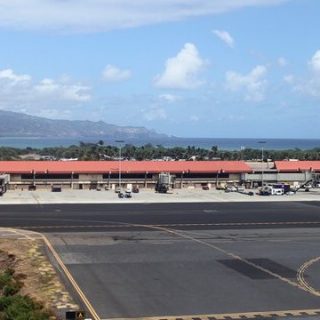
x=186, y=261
x=158, y=274
x=194, y=195
x=193, y=216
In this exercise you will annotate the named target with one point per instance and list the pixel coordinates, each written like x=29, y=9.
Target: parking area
x=147, y=195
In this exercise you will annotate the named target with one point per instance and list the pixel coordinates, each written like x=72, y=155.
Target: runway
x=186, y=216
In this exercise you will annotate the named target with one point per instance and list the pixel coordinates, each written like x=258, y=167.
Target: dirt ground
x=40, y=279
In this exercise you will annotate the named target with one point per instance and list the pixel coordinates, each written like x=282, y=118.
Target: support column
x=181, y=182
x=145, y=179
x=72, y=180
x=33, y=178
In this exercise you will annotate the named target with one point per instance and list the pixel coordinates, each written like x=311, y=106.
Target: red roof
x=126, y=166
x=296, y=166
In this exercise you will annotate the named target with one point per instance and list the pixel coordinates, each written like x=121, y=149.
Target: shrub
x=14, y=306
x=9, y=284
x=21, y=308
x=5, y=279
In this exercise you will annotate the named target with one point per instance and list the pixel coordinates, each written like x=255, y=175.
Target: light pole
x=262, y=143
x=119, y=141
x=242, y=148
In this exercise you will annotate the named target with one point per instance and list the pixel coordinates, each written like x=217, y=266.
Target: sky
x=188, y=68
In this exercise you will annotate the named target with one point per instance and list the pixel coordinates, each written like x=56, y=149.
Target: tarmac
x=186, y=261
x=147, y=196
x=221, y=274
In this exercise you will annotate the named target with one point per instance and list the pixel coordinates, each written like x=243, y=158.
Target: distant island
x=14, y=124
x=21, y=131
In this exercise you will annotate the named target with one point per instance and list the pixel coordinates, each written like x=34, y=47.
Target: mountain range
x=14, y=124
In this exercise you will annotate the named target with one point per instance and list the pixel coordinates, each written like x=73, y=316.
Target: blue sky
x=192, y=68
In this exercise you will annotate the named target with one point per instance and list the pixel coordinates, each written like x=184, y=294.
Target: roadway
x=188, y=261
x=194, y=216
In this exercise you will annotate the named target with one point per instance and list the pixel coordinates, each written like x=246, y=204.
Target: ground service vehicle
x=163, y=183
x=4, y=182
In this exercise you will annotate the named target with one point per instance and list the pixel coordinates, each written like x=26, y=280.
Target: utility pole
x=120, y=142
x=262, y=143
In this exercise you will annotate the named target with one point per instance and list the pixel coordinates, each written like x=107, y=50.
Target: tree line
x=99, y=151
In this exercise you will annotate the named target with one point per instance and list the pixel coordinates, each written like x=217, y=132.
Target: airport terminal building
x=30, y=175
x=105, y=174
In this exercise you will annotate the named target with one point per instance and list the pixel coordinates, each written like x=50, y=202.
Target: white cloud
x=253, y=83
x=225, y=37
x=19, y=91
x=282, y=62
x=155, y=113
x=315, y=62
x=102, y=15
x=289, y=78
x=311, y=85
x=114, y=74
x=61, y=91
x=169, y=97
x=182, y=71
x=9, y=76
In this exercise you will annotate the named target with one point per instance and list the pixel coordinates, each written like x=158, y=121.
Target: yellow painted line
x=17, y=232
x=301, y=279
x=235, y=316
x=71, y=279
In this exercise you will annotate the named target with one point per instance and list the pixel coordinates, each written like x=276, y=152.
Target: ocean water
x=221, y=143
